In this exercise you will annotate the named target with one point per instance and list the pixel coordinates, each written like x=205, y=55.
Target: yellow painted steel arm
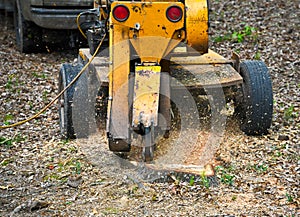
x=197, y=25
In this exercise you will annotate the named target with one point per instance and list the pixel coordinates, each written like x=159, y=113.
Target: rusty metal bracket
x=236, y=61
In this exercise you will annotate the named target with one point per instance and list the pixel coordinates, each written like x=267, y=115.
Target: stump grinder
x=149, y=50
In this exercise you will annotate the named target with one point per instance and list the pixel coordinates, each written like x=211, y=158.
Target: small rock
x=283, y=137
x=74, y=181
x=124, y=202
x=290, y=31
x=18, y=208
x=36, y=205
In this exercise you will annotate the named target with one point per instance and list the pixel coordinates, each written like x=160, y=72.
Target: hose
x=78, y=25
x=60, y=94
x=98, y=12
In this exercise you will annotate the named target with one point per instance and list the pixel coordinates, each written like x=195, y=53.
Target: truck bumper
x=55, y=18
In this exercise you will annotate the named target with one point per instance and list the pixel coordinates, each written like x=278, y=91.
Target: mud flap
x=146, y=96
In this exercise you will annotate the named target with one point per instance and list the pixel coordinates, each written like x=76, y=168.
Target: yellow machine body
x=152, y=36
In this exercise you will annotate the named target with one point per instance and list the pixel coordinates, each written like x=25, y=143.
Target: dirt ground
x=42, y=174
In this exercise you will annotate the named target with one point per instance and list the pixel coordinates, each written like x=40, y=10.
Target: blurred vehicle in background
x=6, y=5
x=40, y=22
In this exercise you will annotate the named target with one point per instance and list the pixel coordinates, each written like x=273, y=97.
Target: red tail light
x=121, y=13
x=174, y=13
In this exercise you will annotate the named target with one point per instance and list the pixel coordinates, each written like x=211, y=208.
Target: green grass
x=111, y=210
x=192, y=180
x=290, y=113
x=205, y=181
x=289, y=198
x=225, y=174
x=234, y=197
x=9, y=142
x=45, y=96
x=12, y=82
x=78, y=167
x=7, y=118
x=239, y=36
x=227, y=179
x=257, y=56
x=261, y=168
x=9, y=84
x=39, y=75
x=5, y=162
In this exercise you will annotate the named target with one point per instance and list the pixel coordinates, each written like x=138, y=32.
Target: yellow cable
x=78, y=26
x=102, y=13
x=59, y=95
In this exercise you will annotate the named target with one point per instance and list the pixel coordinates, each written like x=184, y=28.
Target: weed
x=257, y=56
x=35, y=74
x=78, y=167
x=61, y=167
x=278, y=154
x=261, y=168
x=154, y=197
x=227, y=179
x=204, y=180
x=5, y=162
x=238, y=36
x=290, y=113
x=225, y=174
x=52, y=176
x=192, y=180
x=8, y=142
x=65, y=141
x=7, y=119
x=72, y=149
x=64, y=180
x=248, y=30
x=218, y=169
x=289, y=198
x=56, y=176
x=237, y=51
x=68, y=166
x=234, y=197
x=45, y=96
x=132, y=190
x=226, y=37
x=110, y=210
x=9, y=84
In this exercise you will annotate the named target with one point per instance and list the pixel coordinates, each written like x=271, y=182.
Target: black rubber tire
x=28, y=35
x=67, y=73
x=255, y=109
